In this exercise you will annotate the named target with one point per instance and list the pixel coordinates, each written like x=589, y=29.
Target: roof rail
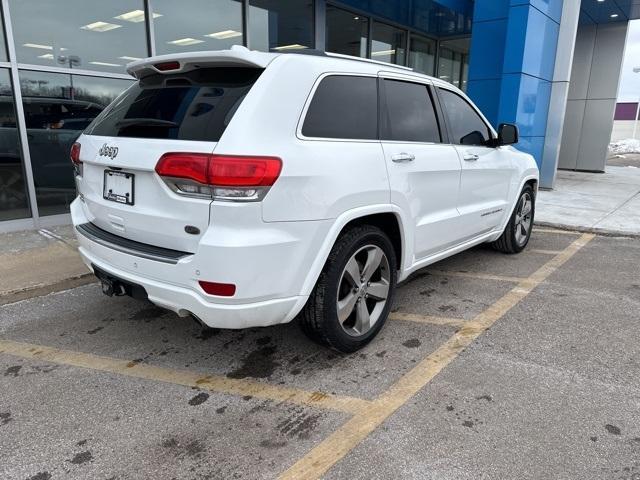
x=368, y=60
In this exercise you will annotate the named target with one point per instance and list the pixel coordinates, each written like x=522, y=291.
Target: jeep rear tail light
x=220, y=177
x=75, y=153
x=75, y=159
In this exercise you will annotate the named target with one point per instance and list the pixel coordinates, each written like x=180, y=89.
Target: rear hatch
x=162, y=113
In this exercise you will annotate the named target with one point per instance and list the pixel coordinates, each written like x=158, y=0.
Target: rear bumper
x=174, y=285
x=184, y=301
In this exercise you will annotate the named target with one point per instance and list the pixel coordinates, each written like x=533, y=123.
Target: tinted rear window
x=411, y=116
x=196, y=105
x=344, y=107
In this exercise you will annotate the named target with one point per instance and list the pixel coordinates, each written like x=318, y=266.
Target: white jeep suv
x=248, y=188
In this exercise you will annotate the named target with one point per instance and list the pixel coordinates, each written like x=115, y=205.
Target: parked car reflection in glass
x=14, y=201
x=53, y=124
x=57, y=108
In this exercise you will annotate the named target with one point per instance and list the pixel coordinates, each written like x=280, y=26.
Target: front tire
x=352, y=298
x=517, y=233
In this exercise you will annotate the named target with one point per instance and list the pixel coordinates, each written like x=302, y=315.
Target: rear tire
x=352, y=298
x=517, y=233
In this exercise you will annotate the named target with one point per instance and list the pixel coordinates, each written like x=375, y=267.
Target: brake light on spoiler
x=237, y=178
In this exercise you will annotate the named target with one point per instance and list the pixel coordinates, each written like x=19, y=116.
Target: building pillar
x=513, y=55
x=591, y=104
x=559, y=92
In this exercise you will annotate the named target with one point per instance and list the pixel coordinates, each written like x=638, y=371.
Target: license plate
x=118, y=187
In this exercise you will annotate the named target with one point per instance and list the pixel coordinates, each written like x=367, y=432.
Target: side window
x=411, y=116
x=344, y=107
x=465, y=125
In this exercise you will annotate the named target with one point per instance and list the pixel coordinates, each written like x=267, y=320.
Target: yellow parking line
x=556, y=230
x=544, y=252
x=180, y=377
x=326, y=454
x=412, y=317
x=477, y=275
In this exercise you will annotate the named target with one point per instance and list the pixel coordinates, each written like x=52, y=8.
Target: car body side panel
x=320, y=178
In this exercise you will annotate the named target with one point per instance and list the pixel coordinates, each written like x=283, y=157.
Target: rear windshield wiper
x=146, y=122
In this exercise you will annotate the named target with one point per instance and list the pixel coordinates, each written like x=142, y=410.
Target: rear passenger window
x=465, y=125
x=411, y=116
x=344, y=107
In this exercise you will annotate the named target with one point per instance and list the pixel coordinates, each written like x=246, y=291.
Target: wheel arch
x=532, y=180
x=388, y=218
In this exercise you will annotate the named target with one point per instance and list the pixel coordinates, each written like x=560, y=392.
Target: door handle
x=471, y=157
x=403, y=157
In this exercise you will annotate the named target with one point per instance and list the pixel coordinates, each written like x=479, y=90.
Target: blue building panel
x=484, y=94
x=533, y=146
x=519, y=89
x=550, y=8
x=488, y=41
x=485, y=11
x=532, y=39
x=525, y=101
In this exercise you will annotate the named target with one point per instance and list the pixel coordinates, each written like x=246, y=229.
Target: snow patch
x=625, y=146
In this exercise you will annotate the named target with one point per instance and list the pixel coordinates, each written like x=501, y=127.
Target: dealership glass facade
x=62, y=62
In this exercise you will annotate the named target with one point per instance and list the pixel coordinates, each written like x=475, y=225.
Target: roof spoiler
x=237, y=56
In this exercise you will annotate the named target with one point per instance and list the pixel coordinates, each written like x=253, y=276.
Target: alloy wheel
x=363, y=290
x=524, y=218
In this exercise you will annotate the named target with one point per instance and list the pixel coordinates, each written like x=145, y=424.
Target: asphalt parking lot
x=492, y=367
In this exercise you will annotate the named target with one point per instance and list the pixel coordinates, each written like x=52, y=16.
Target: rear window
x=196, y=105
x=411, y=116
x=344, y=107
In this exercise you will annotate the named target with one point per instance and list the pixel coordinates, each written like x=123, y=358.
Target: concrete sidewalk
x=35, y=263
x=607, y=203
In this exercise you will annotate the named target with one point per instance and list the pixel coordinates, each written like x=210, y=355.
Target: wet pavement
x=547, y=387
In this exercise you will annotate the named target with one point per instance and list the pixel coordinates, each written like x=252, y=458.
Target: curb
x=14, y=296
x=598, y=231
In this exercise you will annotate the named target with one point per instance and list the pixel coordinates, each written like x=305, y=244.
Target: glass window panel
x=347, y=33
x=411, y=116
x=343, y=107
x=445, y=65
x=57, y=108
x=453, y=61
x=465, y=72
x=68, y=33
x=197, y=25
x=280, y=25
x=422, y=54
x=157, y=108
x=14, y=200
x=465, y=125
x=3, y=45
x=388, y=44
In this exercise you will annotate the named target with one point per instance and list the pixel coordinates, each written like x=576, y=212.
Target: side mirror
x=508, y=134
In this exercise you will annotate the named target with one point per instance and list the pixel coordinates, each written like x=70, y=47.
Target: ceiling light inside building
x=224, y=34
x=183, y=42
x=614, y=15
x=130, y=59
x=46, y=56
x=135, y=16
x=383, y=52
x=105, y=64
x=293, y=46
x=100, y=26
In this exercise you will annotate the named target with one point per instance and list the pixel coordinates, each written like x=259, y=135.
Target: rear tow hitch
x=111, y=288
